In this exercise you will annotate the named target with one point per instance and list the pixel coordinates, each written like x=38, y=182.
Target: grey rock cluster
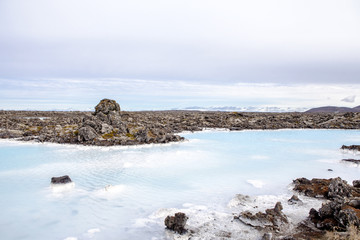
x=108, y=125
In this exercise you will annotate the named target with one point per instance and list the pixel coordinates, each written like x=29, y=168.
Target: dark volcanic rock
x=343, y=208
x=61, y=180
x=325, y=188
x=356, y=183
x=351, y=147
x=312, y=188
x=335, y=215
x=339, y=188
x=176, y=223
x=273, y=219
x=357, y=161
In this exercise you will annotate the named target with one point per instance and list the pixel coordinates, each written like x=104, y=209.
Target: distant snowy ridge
x=245, y=109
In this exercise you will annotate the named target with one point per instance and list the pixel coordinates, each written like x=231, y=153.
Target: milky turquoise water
x=115, y=187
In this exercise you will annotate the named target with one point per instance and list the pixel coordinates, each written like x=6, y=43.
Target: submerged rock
x=176, y=223
x=61, y=180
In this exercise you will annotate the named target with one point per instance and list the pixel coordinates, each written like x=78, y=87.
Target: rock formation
x=61, y=180
x=351, y=147
x=108, y=125
x=356, y=161
x=273, y=219
x=343, y=208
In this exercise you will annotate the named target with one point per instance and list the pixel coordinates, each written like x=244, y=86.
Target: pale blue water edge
x=209, y=170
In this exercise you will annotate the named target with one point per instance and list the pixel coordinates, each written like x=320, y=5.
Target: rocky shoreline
x=337, y=215
x=108, y=125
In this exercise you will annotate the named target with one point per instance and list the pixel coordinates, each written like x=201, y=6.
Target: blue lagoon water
x=118, y=192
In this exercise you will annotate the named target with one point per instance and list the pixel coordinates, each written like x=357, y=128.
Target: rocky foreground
x=108, y=125
x=338, y=217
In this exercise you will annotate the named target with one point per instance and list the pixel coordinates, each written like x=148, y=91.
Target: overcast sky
x=196, y=42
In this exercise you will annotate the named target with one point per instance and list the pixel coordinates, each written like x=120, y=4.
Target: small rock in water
x=177, y=222
x=294, y=200
x=61, y=180
x=330, y=170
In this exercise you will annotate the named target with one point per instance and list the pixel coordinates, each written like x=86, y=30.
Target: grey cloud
x=205, y=40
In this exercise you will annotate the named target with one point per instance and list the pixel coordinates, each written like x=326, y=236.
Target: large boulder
x=106, y=106
x=176, y=223
x=108, y=111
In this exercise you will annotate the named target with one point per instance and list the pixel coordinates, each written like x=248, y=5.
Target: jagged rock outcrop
x=343, y=208
x=339, y=188
x=61, y=180
x=312, y=188
x=273, y=219
x=176, y=223
x=108, y=111
x=336, y=215
x=106, y=106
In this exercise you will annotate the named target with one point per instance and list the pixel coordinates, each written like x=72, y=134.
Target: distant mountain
x=244, y=109
x=332, y=109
